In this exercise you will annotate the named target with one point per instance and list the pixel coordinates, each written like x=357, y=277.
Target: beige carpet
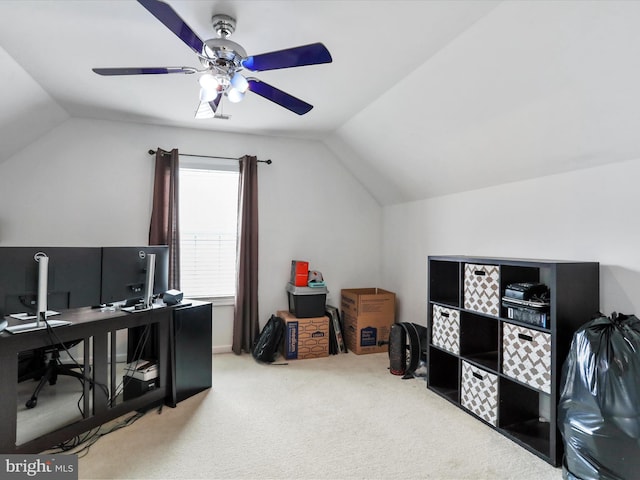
x=340, y=417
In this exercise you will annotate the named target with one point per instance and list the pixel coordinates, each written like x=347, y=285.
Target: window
x=208, y=229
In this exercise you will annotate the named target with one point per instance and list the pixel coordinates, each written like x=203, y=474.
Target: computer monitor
x=73, y=278
x=124, y=271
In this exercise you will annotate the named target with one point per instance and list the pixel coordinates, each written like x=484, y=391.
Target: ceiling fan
x=222, y=61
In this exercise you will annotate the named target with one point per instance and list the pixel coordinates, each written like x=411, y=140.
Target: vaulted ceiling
x=423, y=98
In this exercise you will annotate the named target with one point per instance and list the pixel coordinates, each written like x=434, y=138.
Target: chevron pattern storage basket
x=479, y=392
x=482, y=288
x=446, y=329
x=526, y=356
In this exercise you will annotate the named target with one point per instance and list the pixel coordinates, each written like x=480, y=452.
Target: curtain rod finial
x=152, y=152
x=268, y=162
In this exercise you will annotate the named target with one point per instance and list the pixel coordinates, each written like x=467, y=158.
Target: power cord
x=80, y=444
x=55, y=340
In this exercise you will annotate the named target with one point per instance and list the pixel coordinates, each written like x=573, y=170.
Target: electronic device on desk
x=40, y=317
x=527, y=302
x=172, y=297
x=140, y=376
x=134, y=273
x=72, y=280
x=142, y=369
x=134, y=387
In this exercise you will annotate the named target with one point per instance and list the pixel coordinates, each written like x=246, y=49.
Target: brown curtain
x=164, y=228
x=246, y=326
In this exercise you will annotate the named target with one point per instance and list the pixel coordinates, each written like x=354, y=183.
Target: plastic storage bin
x=307, y=302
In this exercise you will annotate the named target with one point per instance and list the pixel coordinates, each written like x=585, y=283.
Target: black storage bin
x=307, y=302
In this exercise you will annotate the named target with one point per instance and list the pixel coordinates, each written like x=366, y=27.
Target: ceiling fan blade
x=312, y=54
x=278, y=96
x=173, y=22
x=143, y=71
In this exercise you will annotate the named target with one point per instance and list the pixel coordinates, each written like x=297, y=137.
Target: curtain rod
x=268, y=162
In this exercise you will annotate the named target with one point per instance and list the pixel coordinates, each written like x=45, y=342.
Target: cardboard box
x=304, y=337
x=367, y=315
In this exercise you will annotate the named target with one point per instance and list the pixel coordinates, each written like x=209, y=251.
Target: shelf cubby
x=445, y=377
x=479, y=340
x=518, y=274
x=445, y=289
x=525, y=415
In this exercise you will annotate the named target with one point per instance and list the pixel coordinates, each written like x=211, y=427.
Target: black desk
x=93, y=327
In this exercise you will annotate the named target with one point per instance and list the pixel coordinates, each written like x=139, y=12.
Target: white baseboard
x=221, y=349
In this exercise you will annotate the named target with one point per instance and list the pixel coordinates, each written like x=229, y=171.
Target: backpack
x=267, y=344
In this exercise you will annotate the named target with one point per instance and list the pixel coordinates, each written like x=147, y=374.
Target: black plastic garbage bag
x=599, y=408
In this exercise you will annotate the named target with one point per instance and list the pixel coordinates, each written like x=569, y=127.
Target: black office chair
x=43, y=364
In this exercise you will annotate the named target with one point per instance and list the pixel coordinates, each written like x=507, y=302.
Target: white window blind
x=208, y=231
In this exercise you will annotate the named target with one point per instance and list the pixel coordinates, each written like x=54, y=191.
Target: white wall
x=89, y=183
x=586, y=215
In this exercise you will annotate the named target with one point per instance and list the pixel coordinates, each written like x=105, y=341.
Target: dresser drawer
x=526, y=356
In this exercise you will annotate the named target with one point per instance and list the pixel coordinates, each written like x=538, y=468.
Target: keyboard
x=33, y=326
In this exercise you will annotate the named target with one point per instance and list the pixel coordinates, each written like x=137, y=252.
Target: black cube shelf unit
x=503, y=371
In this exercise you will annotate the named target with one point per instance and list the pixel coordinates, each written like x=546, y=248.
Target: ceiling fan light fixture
x=235, y=95
x=208, y=81
x=239, y=82
x=207, y=95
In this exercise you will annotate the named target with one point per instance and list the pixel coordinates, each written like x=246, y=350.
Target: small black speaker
x=397, y=350
x=172, y=297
